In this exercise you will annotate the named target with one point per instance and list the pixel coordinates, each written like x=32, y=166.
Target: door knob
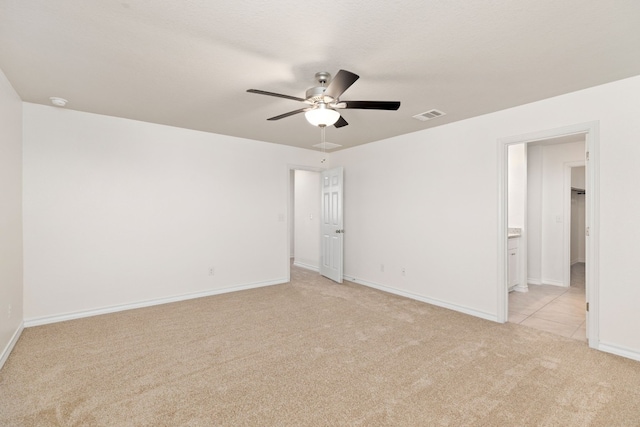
x=339, y=231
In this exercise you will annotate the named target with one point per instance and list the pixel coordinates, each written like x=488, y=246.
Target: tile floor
x=553, y=309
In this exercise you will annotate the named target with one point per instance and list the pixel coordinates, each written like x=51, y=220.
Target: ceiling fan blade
x=341, y=122
x=341, y=82
x=290, y=113
x=371, y=105
x=279, y=95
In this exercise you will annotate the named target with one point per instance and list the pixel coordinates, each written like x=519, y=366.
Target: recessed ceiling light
x=58, y=102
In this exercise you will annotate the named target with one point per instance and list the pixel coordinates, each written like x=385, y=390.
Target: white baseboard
x=619, y=351
x=432, y=301
x=9, y=347
x=306, y=266
x=37, y=321
x=521, y=288
x=553, y=282
x=533, y=281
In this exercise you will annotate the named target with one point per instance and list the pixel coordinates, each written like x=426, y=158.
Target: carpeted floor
x=310, y=353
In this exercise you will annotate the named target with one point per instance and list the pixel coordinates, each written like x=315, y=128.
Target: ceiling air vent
x=428, y=115
x=327, y=145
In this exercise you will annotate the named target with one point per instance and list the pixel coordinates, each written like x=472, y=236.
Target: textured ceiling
x=189, y=63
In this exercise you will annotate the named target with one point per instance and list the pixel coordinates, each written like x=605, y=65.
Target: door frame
x=591, y=130
x=290, y=189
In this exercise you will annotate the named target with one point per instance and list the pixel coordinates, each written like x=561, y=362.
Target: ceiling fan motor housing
x=316, y=94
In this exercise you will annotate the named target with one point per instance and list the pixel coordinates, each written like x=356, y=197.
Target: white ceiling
x=189, y=63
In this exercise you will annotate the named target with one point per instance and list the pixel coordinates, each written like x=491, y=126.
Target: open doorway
x=544, y=296
x=304, y=218
x=544, y=249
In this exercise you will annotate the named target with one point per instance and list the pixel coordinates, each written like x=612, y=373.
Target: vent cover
x=428, y=115
x=327, y=145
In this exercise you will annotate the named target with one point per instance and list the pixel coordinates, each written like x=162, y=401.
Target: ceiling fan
x=324, y=100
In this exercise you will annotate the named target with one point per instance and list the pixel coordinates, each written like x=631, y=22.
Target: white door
x=332, y=222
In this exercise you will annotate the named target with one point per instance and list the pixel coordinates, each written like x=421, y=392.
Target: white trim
x=591, y=130
x=592, y=242
x=503, y=197
x=9, y=347
x=432, y=301
x=521, y=288
x=552, y=282
x=533, y=281
x=306, y=266
x=37, y=321
x=619, y=351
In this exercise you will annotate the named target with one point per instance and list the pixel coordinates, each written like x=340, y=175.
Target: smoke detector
x=58, y=102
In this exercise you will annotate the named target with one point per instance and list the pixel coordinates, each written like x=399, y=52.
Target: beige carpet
x=310, y=353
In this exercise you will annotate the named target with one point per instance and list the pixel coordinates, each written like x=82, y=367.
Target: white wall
x=516, y=185
x=553, y=212
x=546, y=209
x=578, y=177
x=120, y=212
x=428, y=201
x=11, y=306
x=307, y=219
x=534, y=218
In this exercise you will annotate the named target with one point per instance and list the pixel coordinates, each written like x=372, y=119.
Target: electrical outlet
x=9, y=312
x=212, y=271
x=381, y=268
x=404, y=272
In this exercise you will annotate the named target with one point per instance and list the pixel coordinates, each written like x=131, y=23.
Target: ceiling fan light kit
x=322, y=116
x=325, y=100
